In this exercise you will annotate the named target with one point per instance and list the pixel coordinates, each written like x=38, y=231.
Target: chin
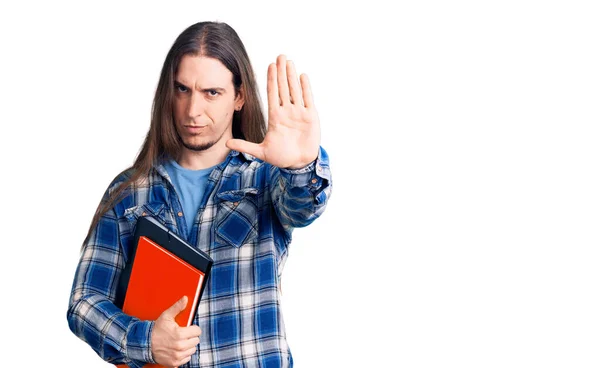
x=198, y=144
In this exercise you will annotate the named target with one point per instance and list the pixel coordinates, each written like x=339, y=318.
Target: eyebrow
x=218, y=89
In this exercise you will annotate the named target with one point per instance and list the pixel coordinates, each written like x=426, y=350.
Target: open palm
x=293, y=136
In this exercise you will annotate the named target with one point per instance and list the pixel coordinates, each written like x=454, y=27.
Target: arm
x=300, y=195
x=92, y=316
x=299, y=176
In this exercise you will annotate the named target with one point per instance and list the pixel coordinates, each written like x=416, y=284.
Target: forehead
x=203, y=72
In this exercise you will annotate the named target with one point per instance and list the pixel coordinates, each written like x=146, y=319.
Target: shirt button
x=235, y=204
x=143, y=213
x=179, y=213
x=314, y=181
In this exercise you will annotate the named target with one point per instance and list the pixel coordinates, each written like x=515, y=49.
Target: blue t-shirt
x=190, y=186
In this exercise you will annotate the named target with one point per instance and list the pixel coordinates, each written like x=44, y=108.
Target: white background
x=464, y=142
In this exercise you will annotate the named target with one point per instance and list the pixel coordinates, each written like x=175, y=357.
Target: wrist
x=139, y=337
x=302, y=165
x=299, y=166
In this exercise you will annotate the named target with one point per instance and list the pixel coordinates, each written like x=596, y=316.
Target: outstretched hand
x=293, y=136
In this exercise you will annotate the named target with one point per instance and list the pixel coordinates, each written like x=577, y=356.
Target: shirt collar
x=160, y=165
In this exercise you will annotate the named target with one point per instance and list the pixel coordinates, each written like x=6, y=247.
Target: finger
x=282, y=83
x=185, y=345
x=241, y=145
x=272, y=93
x=183, y=357
x=306, y=91
x=296, y=97
x=188, y=352
x=190, y=332
x=183, y=361
x=175, y=309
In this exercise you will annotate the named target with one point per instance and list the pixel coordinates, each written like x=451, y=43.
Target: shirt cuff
x=139, y=339
x=318, y=169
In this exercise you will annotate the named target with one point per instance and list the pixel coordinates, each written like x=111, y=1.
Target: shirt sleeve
x=92, y=315
x=300, y=195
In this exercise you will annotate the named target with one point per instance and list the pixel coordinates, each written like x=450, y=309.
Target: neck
x=197, y=160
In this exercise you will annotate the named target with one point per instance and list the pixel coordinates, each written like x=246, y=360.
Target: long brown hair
x=210, y=39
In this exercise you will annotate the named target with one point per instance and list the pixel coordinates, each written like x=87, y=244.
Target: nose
x=195, y=105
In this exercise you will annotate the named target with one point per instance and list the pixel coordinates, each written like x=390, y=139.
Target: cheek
x=218, y=112
x=178, y=109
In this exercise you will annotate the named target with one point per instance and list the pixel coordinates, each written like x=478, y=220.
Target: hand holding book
x=173, y=345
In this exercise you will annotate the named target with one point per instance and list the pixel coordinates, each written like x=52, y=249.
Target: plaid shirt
x=244, y=223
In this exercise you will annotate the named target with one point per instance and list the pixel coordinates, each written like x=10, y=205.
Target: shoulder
x=242, y=171
x=131, y=187
x=136, y=180
x=244, y=164
x=119, y=179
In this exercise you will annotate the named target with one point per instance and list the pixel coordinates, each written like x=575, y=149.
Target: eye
x=180, y=88
x=213, y=93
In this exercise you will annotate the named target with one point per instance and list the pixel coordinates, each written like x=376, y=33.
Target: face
x=204, y=102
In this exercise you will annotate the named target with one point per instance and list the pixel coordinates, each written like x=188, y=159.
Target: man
x=212, y=173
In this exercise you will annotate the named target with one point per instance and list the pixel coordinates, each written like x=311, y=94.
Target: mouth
x=195, y=129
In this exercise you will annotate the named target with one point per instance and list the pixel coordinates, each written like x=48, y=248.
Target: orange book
x=164, y=269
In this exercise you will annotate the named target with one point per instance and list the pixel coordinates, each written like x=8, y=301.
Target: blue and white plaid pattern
x=245, y=224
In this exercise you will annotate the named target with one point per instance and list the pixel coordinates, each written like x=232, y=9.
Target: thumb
x=176, y=308
x=241, y=145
